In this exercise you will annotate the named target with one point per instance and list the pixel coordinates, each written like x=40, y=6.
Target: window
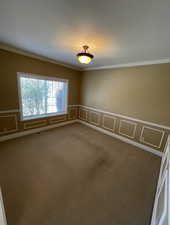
x=41, y=96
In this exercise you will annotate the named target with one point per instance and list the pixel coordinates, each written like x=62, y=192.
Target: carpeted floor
x=74, y=175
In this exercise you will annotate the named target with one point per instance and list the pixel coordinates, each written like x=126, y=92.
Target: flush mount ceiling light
x=85, y=57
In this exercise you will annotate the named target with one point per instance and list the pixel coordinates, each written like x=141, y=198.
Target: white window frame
x=40, y=77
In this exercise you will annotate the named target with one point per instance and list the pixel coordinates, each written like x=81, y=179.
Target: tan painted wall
x=11, y=63
x=141, y=92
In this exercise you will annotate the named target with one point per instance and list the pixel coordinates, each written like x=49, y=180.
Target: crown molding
x=36, y=56
x=132, y=64
x=46, y=59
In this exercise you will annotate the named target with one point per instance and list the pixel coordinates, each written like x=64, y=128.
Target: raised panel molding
x=92, y=113
x=73, y=110
x=113, y=119
x=146, y=133
x=34, y=124
x=6, y=129
x=129, y=123
x=127, y=117
x=152, y=133
x=57, y=119
x=83, y=112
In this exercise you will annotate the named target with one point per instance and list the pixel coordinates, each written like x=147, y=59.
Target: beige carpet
x=74, y=175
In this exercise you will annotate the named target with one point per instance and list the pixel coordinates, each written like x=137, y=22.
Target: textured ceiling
x=117, y=31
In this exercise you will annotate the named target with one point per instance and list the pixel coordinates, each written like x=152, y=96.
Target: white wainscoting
x=132, y=142
x=98, y=118
x=131, y=123
x=57, y=120
x=34, y=124
x=114, y=119
x=126, y=117
x=142, y=139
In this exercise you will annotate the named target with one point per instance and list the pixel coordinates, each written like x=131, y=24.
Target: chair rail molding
x=126, y=117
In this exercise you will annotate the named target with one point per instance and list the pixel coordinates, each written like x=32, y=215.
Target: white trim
x=109, y=113
x=16, y=124
x=132, y=142
x=164, y=182
x=132, y=64
x=165, y=161
x=164, y=175
x=36, y=130
x=2, y=210
x=41, y=77
x=19, y=96
x=168, y=190
x=39, y=57
x=38, y=123
x=145, y=142
x=126, y=117
x=29, y=118
x=114, y=122
x=134, y=130
x=98, y=118
x=73, y=67
x=9, y=111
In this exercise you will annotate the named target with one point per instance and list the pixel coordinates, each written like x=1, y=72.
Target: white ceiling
x=117, y=31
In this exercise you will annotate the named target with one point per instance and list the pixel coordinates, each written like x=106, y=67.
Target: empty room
x=84, y=112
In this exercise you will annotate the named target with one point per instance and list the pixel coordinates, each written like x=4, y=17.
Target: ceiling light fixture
x=85, y=57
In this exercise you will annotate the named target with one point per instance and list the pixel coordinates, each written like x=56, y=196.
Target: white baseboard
x=139, y=145
x=36, y=130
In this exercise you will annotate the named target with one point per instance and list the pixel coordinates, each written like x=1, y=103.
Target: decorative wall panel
x=95, y=118
x=83, y=113
x=137, y=130
x=34, y=124
x=8, y=123
x=109, y=122
x=127, y=128
x=152, y=136
x=57, y=119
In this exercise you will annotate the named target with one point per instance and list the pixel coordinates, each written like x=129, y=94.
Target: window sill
x=43, y=116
